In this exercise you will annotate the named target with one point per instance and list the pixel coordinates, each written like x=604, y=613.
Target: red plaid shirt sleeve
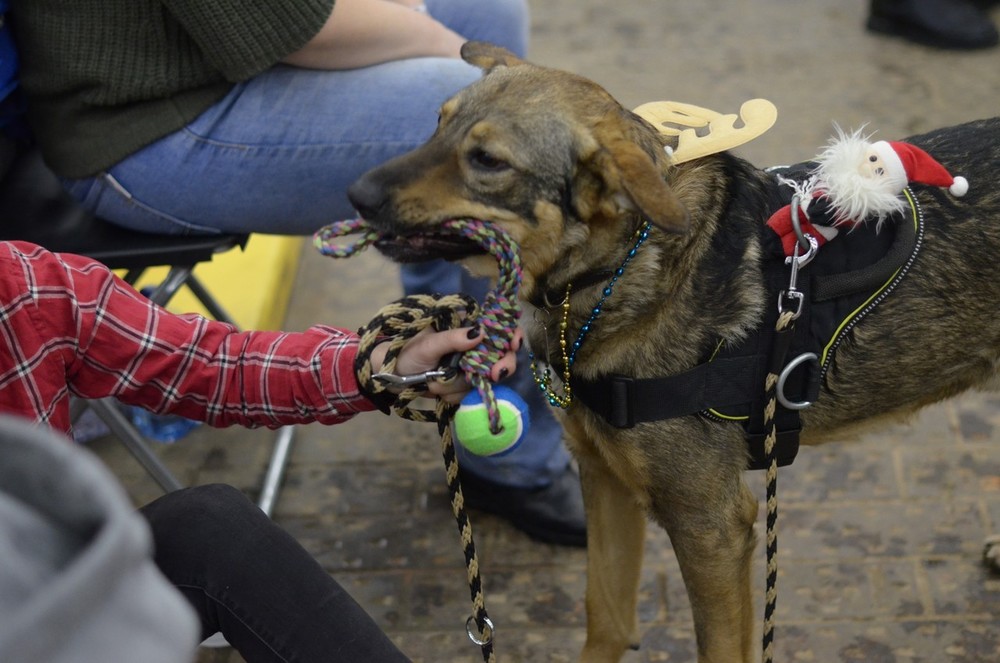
x=69, y=325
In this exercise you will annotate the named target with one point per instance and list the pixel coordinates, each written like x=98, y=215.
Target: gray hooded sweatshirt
x=77, y=580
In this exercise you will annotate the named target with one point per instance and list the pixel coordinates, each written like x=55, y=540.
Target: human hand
x=426, y=351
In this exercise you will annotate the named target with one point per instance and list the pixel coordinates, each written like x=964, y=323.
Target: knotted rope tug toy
x=506, y=416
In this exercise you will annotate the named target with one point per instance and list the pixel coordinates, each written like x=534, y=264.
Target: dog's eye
x=485, y=160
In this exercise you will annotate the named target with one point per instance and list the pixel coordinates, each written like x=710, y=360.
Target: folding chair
x=35, y=208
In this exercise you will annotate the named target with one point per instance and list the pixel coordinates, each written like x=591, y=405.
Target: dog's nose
x=367, y=196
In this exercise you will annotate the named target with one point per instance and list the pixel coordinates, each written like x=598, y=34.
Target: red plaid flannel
x=70, y=326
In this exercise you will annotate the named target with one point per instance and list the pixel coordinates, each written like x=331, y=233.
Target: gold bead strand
x=544, y=378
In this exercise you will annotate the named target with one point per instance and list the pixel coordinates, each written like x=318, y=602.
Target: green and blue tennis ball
x=471, y=423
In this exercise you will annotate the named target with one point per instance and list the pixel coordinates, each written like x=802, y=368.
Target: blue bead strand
x=543, y=378
x=595, y=313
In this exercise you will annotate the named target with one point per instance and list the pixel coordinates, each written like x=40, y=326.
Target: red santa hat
x=908, y=163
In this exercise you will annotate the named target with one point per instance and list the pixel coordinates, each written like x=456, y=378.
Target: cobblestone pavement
x=879, y=540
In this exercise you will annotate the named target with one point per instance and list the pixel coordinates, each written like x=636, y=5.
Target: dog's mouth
x=421, y=247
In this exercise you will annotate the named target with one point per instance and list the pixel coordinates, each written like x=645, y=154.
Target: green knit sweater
x=104, y=78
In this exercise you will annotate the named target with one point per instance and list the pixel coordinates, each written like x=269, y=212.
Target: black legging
x=249, y=579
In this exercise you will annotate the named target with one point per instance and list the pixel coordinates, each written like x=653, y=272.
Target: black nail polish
x=473, y=332
x=504, y=372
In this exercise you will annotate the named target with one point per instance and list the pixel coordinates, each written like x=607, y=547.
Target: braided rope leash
x=401, y=320
x=783, y=325
x=790, y=305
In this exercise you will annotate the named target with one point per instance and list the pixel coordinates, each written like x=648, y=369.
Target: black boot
x=948, y=24
x=553, y=514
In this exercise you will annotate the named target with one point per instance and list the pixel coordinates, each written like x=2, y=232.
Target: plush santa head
x=905, y=163
x=863, y=180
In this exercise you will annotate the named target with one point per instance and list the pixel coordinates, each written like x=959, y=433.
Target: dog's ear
x=634, y=183
x=486, y=56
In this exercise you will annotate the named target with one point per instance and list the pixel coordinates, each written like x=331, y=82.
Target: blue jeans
x=541, y=456
x=277, y=154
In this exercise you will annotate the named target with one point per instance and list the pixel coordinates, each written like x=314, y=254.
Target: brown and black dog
x=571, y=176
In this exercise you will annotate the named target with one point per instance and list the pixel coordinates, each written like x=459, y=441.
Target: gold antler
x=683, y=120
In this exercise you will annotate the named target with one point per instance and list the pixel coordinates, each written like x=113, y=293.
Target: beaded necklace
x=543, y=376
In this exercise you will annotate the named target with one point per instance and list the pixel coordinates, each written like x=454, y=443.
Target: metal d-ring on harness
x=791, y=303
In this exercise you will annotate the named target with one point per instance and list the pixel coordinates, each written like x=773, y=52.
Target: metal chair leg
x=138, y=446
x=208, y=301
x=276, y=469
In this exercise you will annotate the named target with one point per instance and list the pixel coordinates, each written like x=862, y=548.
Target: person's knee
x=218, y=494
x=208, y=502
x=194, y=518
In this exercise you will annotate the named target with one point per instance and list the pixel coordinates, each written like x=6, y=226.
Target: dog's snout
x=367, y=196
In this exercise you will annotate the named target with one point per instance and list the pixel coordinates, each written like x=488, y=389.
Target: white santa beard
x=853, y=196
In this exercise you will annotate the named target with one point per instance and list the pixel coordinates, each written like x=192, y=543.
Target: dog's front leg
x=712, y=534
x=616, y=530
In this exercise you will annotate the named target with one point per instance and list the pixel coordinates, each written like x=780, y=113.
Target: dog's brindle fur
x=561, y=166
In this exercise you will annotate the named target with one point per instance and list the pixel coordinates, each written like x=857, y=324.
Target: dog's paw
x=991, y=553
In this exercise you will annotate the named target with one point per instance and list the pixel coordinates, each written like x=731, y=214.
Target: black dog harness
x=846, y=281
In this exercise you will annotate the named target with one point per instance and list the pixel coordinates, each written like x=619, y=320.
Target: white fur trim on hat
x=895, y=171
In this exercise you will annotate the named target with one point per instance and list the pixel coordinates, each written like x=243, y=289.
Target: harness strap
x=728, y=382
x=624, y=402
x=784, y=424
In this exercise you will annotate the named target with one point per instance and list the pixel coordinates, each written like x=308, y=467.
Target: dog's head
x=549, y=156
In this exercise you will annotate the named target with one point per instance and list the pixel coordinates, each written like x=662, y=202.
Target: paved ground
x=879, y=540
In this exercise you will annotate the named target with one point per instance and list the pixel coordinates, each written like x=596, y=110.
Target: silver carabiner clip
x=796, y=262
x=805, y=241
x=447, y=370
x=393, y=380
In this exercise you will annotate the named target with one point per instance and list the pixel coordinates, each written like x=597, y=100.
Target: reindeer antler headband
x=689, y=122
